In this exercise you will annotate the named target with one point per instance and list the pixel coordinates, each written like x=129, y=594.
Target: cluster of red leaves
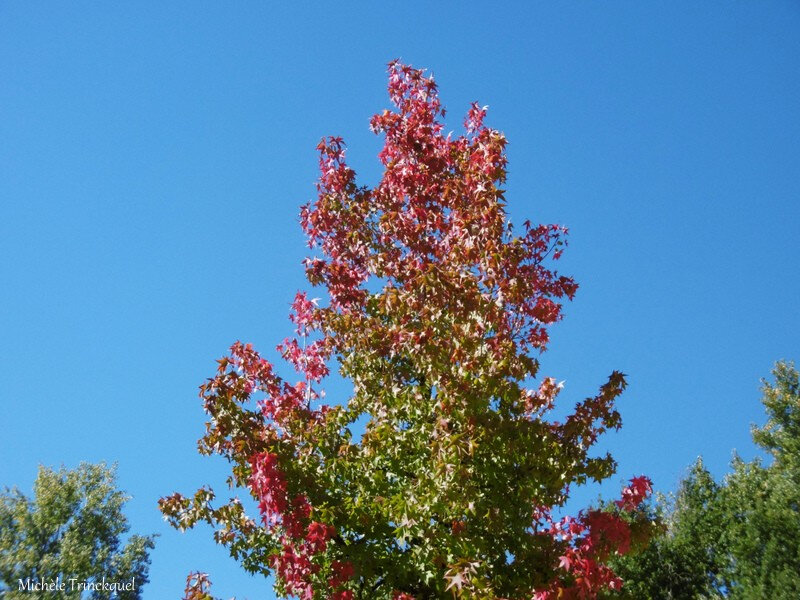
x=634, y=494
x=436, y=209
x=590, y=539
x=462, y=305
x=301, y=538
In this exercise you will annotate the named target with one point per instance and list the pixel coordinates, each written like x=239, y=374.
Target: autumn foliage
x=435, y=309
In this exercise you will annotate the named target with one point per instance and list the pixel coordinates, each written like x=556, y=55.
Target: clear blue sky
x=153, y=157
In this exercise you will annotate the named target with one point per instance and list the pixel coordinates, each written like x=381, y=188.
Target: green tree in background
x=762, y=504
x=739, y=539
x=71, y=528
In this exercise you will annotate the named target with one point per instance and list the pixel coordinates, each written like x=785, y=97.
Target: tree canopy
x=736, y=539
x=72, y=528
x=436, y=309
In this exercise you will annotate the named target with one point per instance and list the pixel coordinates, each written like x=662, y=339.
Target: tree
x=762, y=503
x=739, y=539
x=435, y=311
x=70, y=530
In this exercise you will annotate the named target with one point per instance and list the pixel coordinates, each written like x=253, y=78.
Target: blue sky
x=153, y=157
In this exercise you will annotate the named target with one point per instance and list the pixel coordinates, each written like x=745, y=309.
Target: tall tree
x=739, y=539
x=72, y=528
x=762, y=503
x=435, y=310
